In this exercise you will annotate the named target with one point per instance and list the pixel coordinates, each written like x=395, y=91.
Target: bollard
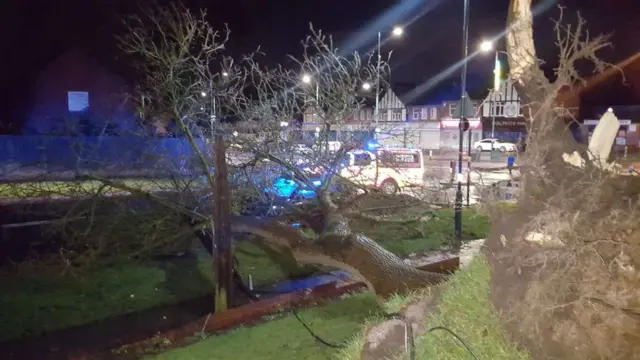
x=430, y=154
x=452, y=169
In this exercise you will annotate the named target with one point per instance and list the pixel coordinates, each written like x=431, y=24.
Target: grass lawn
x=464, y=308
x=21, y=190
x=285, y=338
x=421, y=236
x=40, y=303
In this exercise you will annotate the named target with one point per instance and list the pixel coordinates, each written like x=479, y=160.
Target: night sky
x=34, y=32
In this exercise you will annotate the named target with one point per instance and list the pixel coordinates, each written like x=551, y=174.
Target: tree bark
x=223, y=247
x=548, y=134
x=337, y=247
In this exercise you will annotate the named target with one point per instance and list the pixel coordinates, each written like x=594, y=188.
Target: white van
x=390, y=170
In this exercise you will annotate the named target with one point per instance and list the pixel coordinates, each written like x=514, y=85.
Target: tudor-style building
x=502, y=115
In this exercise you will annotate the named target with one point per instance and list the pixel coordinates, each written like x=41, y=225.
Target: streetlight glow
x=397, y=31
x=486, y=46
x=203, y=94
x=225, y=74
x=366, y=86
x=306, y=78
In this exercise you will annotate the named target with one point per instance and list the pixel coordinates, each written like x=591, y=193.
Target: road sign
x=468, y=108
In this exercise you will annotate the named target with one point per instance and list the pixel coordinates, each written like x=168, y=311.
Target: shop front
x=510, y=129
x=450, y=133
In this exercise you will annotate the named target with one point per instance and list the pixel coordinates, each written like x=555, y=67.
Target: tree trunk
x=337, y=247
x=223, y=248
x=549, y=136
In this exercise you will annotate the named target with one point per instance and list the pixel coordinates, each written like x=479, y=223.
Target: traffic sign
x=468, y=108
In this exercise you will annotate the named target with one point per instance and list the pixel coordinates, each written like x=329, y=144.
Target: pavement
x=484, y=162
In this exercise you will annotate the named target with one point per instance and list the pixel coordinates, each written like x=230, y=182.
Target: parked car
x=495, y=144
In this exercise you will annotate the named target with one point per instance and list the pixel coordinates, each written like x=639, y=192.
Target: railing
x=105, y=153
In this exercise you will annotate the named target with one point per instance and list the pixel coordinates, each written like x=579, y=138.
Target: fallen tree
x=188, y=82
x=564, y=263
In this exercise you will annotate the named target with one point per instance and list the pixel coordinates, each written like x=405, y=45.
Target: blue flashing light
x=306, y=193
x=317, y=182
x=372, y=145
x=284, y=188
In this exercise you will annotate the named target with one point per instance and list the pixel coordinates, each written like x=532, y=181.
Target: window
x=424, y=113
x=433, y=113
x=78, y=101
x=396, y=115
x=361, y=159
x=497, y=109
x=405, y=160
x=416, y=114
x=452, y=109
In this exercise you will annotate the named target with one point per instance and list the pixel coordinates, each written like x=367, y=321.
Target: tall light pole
x=307, y=79
x=396, y=32
x=485, y=47
x=465, y=53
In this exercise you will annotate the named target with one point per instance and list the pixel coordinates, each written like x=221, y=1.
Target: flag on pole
x=497, y=74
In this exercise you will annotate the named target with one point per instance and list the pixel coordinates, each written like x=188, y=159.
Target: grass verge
x=41, y=303
x=464, y=308
x=285, y=338
x=24, y=190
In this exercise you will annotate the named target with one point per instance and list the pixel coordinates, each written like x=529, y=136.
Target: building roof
x=437, y=90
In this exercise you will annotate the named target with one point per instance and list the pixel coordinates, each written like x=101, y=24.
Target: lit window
x=424, y=113
x=78, y=101
x=433, y=113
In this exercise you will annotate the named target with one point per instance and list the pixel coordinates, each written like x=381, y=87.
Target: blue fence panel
x=93, y=153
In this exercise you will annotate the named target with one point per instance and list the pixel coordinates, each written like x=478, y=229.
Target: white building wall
x=503, y=103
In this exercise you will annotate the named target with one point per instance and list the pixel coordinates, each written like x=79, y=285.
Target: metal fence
x=111, y=155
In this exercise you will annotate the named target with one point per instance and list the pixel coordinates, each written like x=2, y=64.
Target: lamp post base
x=457, y=243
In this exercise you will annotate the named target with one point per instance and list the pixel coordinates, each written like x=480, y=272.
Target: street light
x=396, y=32
x=366, y=86
x=225, y=74
x=307, y=79
x=463, y=99
x=485, y=47
x=203, y=94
